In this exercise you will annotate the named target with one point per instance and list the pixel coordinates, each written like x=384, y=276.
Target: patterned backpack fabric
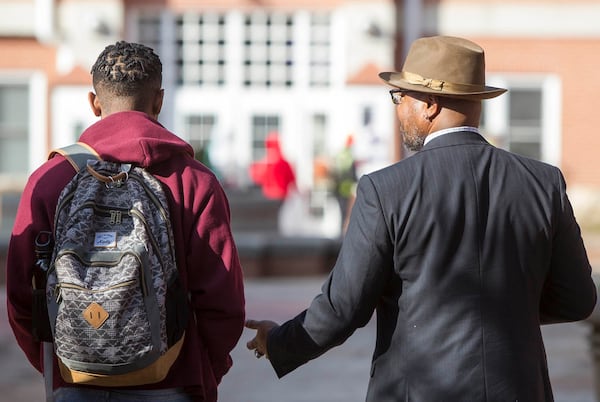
x=116, y=307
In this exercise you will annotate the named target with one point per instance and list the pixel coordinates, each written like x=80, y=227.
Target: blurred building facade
x=237, y=70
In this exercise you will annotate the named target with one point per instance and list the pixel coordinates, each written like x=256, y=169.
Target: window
x=319, y=125
x=259, y=49
x=268, y=50
x=526, y=119
x=14, y=127
x=525, y=122
x=199, y=130
x=319, y=50
x=261, y=127
x=148, y=30
x=14, y=149
x=200, y=43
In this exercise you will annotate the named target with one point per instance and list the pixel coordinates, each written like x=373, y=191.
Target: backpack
x=116, y=308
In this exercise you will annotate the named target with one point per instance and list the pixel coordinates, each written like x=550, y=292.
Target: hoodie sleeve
x=35, y=213
x=215, y=276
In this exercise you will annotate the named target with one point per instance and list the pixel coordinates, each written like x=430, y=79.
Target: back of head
x=127, y=70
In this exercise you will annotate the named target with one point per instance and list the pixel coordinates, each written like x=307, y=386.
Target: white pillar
x=44, y=20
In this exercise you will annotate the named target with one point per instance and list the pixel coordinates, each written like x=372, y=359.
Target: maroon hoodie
x=205, y=249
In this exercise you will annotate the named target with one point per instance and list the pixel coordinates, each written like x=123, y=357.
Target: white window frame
x=212, y=52
x=265, y=60
x=37, y=85
x=497, y=110
x=208, y=130
x=257, y=144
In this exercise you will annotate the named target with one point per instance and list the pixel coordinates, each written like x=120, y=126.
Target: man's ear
x=433, y=107
x=158, y=102
x=95, y=104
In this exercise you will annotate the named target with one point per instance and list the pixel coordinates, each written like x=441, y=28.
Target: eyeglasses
x=397, y=95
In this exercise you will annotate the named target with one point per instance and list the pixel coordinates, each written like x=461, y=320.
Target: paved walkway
x=338, y=376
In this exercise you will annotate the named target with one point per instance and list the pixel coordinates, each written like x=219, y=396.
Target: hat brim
x=394, y=79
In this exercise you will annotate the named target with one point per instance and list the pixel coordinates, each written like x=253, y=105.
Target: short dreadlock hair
x=127, y=69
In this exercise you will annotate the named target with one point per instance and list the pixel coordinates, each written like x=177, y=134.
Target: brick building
x=236, y=70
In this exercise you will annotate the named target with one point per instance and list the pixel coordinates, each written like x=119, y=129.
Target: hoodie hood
x=134, y=137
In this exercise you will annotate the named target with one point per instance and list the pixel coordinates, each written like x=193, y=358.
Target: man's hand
x=259, y=342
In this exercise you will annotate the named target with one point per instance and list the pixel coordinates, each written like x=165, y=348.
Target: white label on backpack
x=105, y=239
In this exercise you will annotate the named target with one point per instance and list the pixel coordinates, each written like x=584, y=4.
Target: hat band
x=439, y=85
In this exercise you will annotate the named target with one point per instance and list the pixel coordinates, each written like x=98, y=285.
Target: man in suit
x=462, y=249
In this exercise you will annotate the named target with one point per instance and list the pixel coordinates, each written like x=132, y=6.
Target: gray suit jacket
x=463, y=250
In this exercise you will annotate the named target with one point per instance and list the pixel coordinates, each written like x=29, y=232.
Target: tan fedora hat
x=444, y=66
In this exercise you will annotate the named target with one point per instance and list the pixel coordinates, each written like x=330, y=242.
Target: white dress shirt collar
x=445, y=131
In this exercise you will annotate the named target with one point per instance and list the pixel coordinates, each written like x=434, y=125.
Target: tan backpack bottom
x=155, y=372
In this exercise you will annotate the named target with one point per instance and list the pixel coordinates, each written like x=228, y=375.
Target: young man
x=128, y=98
x=462, y=249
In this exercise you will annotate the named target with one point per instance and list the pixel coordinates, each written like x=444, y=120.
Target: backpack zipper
x=97, y=263
x=65, y=285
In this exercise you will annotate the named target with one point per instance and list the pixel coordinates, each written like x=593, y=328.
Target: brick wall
x=575, y=61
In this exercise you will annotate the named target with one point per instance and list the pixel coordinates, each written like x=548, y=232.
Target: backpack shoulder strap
x=77, y=154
